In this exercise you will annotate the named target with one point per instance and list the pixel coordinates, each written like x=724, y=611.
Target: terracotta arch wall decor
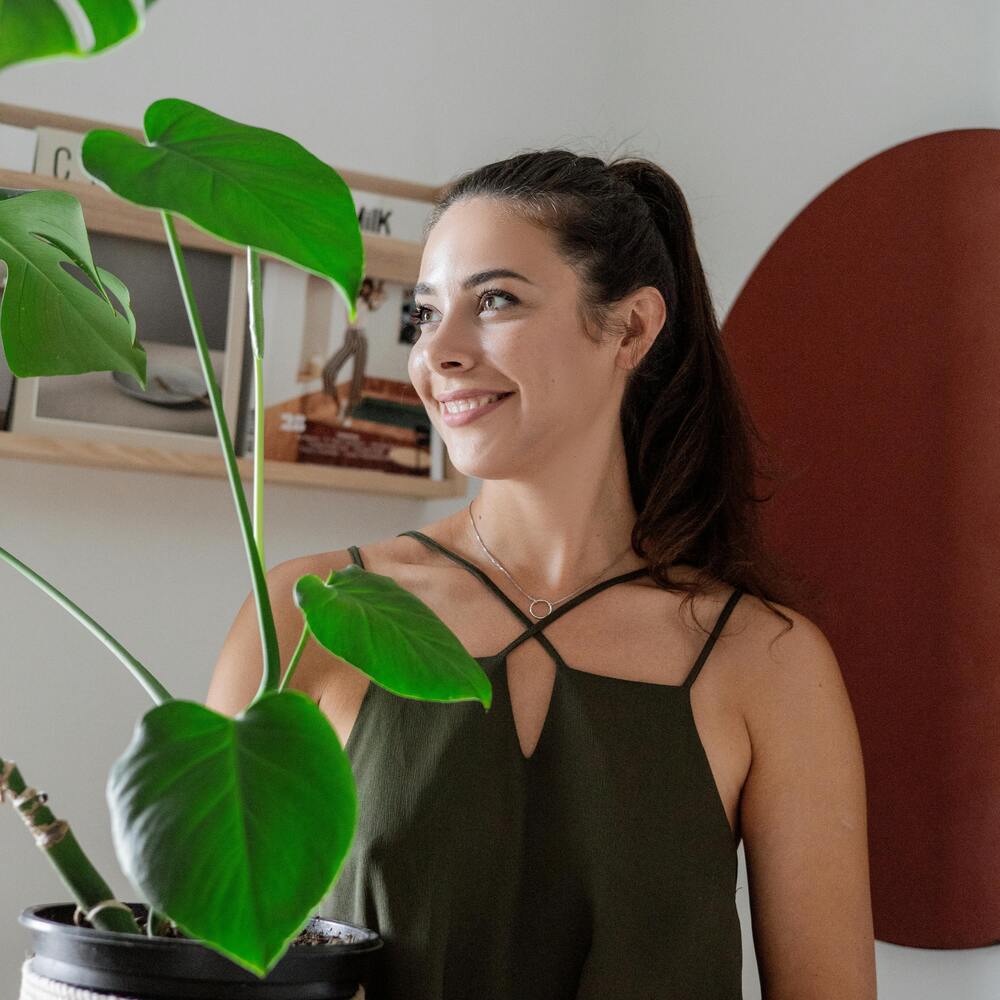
x=867, y=342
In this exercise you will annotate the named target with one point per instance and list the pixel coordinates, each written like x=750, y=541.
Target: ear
x=643, y=312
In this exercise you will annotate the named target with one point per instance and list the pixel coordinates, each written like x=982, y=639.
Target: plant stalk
x=268, y=635
x=153, y=687
x=294, y=661
x=255, y=296
x=57, y=840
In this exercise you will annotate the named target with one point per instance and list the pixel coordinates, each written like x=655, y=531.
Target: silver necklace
x=538, y=600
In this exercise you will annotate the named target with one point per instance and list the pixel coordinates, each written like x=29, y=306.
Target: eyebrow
x=422, y=288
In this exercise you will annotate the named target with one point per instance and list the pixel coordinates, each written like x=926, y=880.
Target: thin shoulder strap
x=356, y=555
x=710, y=642
x=432, y=543
x=485, y=580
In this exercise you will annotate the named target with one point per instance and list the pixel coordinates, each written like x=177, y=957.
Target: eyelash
x=416, y=312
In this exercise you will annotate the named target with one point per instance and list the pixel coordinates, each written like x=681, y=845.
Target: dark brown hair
x=688, y=436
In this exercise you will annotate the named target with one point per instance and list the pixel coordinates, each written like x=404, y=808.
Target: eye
x=417, y=313
x=495, y=293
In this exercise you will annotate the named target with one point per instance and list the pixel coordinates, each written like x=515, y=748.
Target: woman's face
x=501, y=333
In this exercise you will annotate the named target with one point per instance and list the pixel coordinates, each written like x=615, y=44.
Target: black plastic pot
x=135, y=965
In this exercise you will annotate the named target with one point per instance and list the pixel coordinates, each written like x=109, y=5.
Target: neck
x=555, y=532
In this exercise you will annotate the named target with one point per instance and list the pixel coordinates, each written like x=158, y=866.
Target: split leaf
x=51, y=322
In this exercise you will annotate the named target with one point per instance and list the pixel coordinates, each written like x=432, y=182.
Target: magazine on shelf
x=337, y=393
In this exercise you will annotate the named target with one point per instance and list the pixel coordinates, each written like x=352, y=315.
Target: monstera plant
x=215, y=820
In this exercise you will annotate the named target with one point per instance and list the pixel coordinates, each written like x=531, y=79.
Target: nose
x=448, y=346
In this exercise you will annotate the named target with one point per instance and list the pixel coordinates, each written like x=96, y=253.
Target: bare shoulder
x=781, y=667
x=281, y=578
x=784, y=662
x=404, y=557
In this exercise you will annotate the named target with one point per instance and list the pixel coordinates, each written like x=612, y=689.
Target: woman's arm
x=803, y=815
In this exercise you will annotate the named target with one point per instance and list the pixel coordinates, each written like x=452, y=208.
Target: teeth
x=461, y=405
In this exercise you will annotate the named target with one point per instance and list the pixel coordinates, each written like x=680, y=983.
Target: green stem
x=258, y=457
x=64, y=852
x=265, y=618
x=156, y=922
x=255, y=296
x=294, y=661
x=153, y=687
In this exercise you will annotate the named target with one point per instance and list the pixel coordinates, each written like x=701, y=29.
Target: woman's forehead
x=480, y=239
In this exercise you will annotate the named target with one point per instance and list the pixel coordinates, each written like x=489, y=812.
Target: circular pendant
x=539, y=600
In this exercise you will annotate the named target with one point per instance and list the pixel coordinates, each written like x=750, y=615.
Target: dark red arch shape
x=867, y=341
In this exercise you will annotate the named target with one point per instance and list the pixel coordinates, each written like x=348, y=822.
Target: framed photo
x=173, y=412
x=337, y=393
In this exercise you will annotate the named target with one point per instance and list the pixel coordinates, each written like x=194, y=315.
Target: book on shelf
x=337, y=393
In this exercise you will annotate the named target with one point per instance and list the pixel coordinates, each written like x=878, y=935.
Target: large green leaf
x=234, y=828
x=390, y=634
x=247, y=185
x=52, y=323
x=36, y=29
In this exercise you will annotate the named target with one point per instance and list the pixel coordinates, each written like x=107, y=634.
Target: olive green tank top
x=603, y=866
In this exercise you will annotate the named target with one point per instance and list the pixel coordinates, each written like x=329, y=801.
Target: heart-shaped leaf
x=390, y=634
x=34, y=29
x=52, y=323
x=247, y=185
x=234, y=828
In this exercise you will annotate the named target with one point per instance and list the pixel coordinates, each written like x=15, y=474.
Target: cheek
x=417, y=372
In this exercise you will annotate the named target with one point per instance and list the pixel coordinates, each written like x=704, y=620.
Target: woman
x=579, y=839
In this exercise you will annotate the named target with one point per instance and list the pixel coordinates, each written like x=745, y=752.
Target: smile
x=463, y=411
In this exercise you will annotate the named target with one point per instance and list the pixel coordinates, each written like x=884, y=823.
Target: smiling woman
x=579, y=841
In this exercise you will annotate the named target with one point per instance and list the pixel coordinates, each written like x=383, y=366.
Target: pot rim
x=33, y=917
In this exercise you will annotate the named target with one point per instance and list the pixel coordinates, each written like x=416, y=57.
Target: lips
x=467, y=416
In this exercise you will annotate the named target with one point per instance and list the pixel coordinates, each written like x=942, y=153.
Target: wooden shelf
x=98, y=454
x=392, y=259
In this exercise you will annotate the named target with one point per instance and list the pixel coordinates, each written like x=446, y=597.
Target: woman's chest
x=625, y=655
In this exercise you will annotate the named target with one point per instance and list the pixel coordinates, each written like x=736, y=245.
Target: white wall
x=754, y=108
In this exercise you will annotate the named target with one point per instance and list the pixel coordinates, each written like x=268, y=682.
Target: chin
x=492, y=463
